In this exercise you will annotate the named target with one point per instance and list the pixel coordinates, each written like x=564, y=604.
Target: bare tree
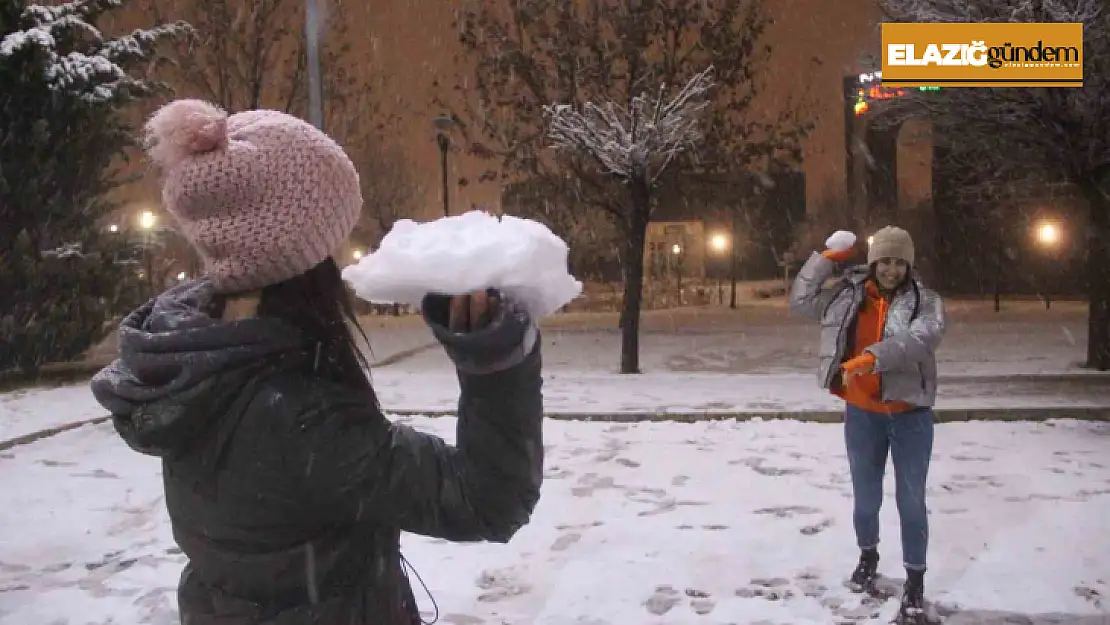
x=389, y=188
x=1018, y=136
x=527, y=54
x=249, y=55
x=635, y=143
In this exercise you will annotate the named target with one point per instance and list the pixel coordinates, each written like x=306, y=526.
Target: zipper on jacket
x=884, y=309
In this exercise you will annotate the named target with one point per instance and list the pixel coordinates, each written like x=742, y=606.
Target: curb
x=27, y=439
x=943, y=415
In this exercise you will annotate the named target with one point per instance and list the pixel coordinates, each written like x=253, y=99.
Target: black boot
x=864, y=575
x=912, y=611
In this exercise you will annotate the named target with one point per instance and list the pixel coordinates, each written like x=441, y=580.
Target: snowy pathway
x=653, y=523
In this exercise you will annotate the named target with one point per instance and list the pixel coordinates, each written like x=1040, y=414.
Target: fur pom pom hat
x=263, y=196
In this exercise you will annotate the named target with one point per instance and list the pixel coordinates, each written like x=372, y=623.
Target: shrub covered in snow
x=64, y=89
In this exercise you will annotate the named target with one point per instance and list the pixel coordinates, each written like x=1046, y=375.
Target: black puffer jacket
x=288, y=493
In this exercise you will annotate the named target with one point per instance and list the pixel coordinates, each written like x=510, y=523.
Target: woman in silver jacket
x=880, y=328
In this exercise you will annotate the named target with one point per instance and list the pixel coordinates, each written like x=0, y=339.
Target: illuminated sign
x=869, y=91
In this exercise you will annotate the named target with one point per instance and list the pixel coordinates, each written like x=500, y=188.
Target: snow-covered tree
x=522, y=55
x=635, y=143
x=1042, y=136
x=64, y=88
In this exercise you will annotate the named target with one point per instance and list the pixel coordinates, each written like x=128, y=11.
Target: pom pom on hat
x=184, y=128
x=262, y=195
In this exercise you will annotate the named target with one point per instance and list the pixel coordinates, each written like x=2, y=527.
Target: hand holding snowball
x=840, y=246
x=472, y=311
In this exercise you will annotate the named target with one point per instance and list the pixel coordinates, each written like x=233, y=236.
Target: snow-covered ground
x=714, y=522
x=760, y=338
x=755, y=359
x=568, y=392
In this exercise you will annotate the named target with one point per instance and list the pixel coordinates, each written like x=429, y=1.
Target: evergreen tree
x=64, y=89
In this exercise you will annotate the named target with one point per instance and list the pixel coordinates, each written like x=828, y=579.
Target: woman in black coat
x=286, y=487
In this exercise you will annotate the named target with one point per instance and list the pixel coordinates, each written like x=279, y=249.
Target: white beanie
x=891, y=242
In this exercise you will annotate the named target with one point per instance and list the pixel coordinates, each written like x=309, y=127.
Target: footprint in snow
x=786, y=512
x=101, y=473
x=817, y=528
x=562, y=543
x=700, y=601
x=500, y=584
x=662, y=600
x=769, y=588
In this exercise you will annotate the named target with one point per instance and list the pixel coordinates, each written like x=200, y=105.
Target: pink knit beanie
x=263, y=196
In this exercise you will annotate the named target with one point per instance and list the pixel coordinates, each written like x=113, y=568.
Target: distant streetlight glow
x=147, y=220
x=1048, y=234
x=357, y=254
x=719, y=242
x=181, y=276
x=677, y=249
x=113, y=228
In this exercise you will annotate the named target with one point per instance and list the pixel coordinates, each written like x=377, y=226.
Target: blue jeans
x=909, y=438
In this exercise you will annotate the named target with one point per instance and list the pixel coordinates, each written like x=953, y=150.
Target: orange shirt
x=865, y=391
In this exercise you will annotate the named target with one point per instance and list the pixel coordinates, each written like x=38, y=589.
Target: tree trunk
x=1098, y=275
x=634, y=274
x=734, y=262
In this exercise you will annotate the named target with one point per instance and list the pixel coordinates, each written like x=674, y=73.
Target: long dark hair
x=318, y=303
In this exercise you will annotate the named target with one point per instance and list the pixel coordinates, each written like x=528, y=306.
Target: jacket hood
x=179, y=368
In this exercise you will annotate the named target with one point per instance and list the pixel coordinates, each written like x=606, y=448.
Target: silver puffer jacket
x=905, y=357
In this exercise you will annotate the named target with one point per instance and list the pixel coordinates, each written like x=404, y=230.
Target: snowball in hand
x=455, y=255
x=840, y=241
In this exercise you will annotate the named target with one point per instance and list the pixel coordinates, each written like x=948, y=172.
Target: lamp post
x=312, y=51
x=1048, y=236
x=443, y=125
x=147, y=222
x=718, y=243
x=677, y=251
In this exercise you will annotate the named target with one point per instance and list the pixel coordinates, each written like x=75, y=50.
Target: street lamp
x=147, y=221
x=312, y=52
x=718, y=242
x=1048, y=234
x=113, y=228
x=443, y=125
x=676, y=249
x=357, y=254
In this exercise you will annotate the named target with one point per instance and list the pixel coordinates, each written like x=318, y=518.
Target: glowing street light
x=677, y=249
x=1048, y=234
x=113, y=228
x=147, y=220
x=357, y=254
x=181, y=276
x=718, y=242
